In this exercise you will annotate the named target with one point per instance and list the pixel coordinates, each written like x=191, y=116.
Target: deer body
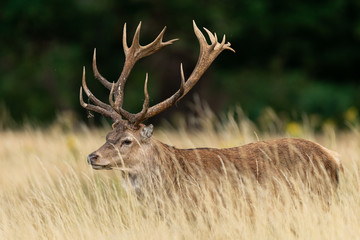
x=286, y=154
x=288, y=158
x=131, y=149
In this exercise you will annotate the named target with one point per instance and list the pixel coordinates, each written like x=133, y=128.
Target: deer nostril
x=92, y=158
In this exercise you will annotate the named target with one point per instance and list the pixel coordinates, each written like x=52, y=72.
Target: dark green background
x=295, y=56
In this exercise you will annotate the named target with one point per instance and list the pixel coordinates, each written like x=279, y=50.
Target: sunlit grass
x=47, y=190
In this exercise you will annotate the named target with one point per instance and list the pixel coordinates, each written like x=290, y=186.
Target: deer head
x=129, y=143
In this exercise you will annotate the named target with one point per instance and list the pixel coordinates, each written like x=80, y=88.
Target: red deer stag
x=129, y=147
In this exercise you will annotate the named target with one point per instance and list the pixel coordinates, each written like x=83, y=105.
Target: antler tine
x=91, y=96
x=140, y=116
x=111, y=95
x=94, y=108
x=155, y=45
x=101, y=107
x=125, y=46
x=182, y=86
x=207, y=55
x=213, y=38
x=136, y=39
x=97, y=75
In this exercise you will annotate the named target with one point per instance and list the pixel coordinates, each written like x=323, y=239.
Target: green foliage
x=298, y=56
x=290, y=93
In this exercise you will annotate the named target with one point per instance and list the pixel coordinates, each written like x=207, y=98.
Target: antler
x=208, y=53
x=99, y=106
x=132, y=55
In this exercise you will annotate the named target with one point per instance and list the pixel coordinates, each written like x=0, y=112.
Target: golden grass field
x=47, y=190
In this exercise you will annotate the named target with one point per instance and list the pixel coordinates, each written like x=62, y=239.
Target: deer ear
x=147, y=131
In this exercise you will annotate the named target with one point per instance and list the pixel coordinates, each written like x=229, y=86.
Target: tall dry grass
x=47, y=190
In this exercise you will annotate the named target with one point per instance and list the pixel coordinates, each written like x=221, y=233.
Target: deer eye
x=126, y=142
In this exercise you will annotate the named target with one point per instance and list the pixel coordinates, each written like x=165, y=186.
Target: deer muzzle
x=94, y=160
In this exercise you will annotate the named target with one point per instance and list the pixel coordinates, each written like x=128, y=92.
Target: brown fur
x=283, y=159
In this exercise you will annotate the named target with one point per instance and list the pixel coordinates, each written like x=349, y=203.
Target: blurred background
x=295, y=57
